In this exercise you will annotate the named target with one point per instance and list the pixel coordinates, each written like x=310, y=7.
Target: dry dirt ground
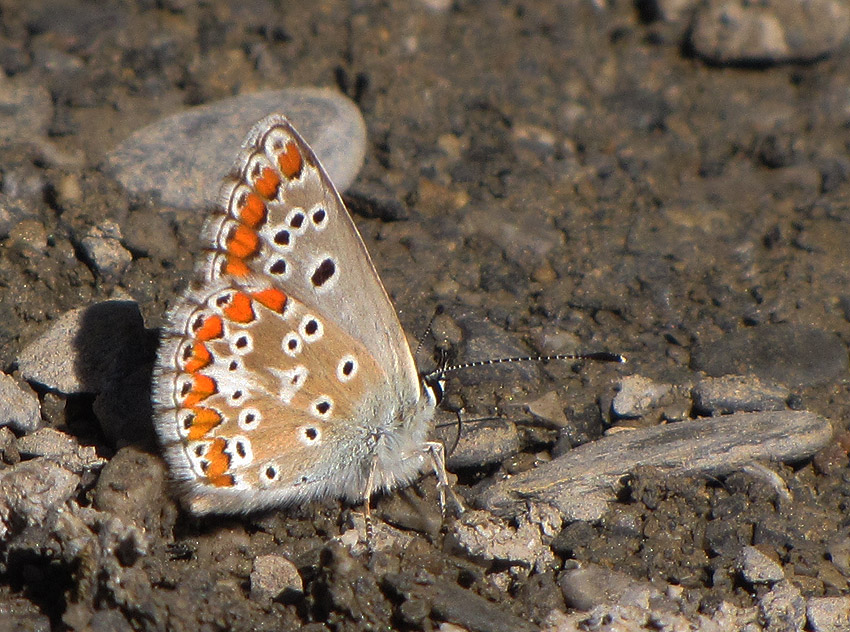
x=553, y=173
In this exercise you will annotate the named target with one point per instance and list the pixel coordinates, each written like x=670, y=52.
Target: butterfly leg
x=367, y=500
x=437, y=452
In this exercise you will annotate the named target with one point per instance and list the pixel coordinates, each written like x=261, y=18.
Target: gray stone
x=25, y=110
x=132, y=486
x=590, y=585
x=793, y=355
x=185, y=157
x=103, y=249
x=549, y=409
x=637, y=396
x=738, y=394
x=582, y=482
x=274, y=577
x=485, y=538
x=87, y=349
x=759, y=568
x=8, y=447
x=60, y=448
x=828, y=614
x=29, y=491
x=771, y=31
x=456, y=605
x=19, y=407
x=783, y=608
x=481, y=443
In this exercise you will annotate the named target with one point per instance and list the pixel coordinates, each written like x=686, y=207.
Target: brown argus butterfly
x=284, y=374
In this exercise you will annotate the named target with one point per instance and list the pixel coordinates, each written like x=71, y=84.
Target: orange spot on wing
x=225, y=480
x=290, y=160
x=219, y=463
x=274, y=299
x=240, y=309
x=267, y=183
x=243, y=242
x=253, y=211
x=236, y=267
x=201, y=357
x=205, y=419
x=202, y=387
x=212, y=328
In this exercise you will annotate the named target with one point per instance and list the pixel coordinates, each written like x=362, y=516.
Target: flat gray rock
x=60, y=448
x=581, y=483
x=738, y=394
x=771, y=31
x=87, y=349
x=19, y=407
x=29, y=491
x=275, y=577
x=793, y=355
x=183, y=158
x=481, y=443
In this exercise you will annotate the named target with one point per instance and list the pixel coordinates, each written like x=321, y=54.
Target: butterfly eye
x=434, y=388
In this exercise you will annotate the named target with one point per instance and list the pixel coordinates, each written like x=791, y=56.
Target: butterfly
x=283, y=374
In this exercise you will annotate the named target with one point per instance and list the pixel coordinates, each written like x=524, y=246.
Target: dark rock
x=793, y=355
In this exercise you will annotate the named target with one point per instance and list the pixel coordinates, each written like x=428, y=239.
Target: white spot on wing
x=291, y=381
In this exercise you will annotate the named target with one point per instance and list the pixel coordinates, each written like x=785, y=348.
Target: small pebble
x=102, y=246
x=481, y=443
x=828, y=614
x=591, y=585
x=738, y=393
x=485, y=538
x=29, y=491
x=772, y=31
x=275, y=577
x=19, y=407
x=783, y=608
x=61, y=448
x=637, y=396
x=550, y=409
x=759, y=568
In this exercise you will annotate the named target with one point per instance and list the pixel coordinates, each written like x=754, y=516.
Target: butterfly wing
x=284, y=373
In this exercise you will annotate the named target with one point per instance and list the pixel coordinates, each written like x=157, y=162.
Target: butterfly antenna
x=439, y=310
x=599, y=356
